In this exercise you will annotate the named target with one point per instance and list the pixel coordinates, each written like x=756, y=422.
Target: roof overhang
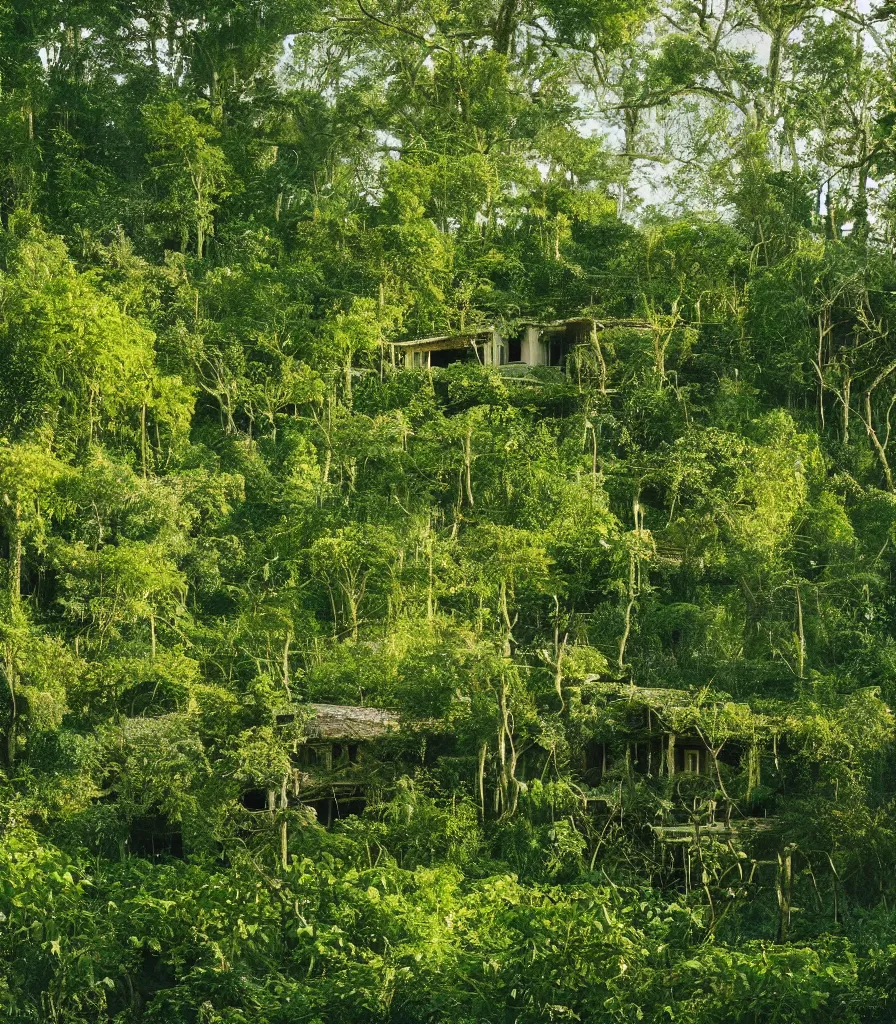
x=447, y=341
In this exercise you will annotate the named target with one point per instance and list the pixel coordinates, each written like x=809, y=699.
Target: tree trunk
x=875, y=442
x=15, y=561
x=784, y=889
x=284, y=803
x=623, y=640
x=505, y=615
x=143, y=437
x=14, y=597
x=801, y=636
x=468, y=465
x=505, y=26
x=847, y=389
x=286, y=644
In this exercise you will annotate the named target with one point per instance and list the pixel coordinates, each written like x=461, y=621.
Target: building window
x=316, y=756
x=692, y=761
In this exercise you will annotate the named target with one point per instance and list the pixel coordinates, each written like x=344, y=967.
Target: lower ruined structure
x=704, y=760
x=329, y=764
x=713, y=763
x=329, y=751
x=684, y=768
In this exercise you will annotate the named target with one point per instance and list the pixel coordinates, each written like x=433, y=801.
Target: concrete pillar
x=532, y=353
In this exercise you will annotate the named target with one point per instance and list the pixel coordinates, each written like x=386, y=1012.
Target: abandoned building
x=484, y=347
x=528, y=345
x=705, y=756
x=549, y=344
x=328, y=761
x=695, y=767
x=634, y=718
x=701, y=759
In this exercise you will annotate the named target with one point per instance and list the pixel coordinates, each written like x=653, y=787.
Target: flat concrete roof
x=445, y=340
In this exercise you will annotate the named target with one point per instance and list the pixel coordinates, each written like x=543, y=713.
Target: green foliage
x=635, y=616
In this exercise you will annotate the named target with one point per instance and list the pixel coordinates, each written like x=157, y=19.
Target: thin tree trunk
x=801, y=659
x=847, y=392
x=348, y=383
x=284, y=803
x=286, y=644
x=505, y=615
x=14, y=597
x=784, y=889
x=624, y=639
x=505, y=25
x=483, y=753
x=143, y=437
x=670, y=754
x=468, y=465
x=875, y=442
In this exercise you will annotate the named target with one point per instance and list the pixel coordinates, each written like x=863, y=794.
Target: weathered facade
x=693, y=753
x=652, y=746
x=703, y=756
x=329, y=774
x=484, y=347
x=328, y=757
x=530, y=344
x=549, y=344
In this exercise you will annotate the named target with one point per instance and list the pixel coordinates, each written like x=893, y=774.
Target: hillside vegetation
x=633, y=616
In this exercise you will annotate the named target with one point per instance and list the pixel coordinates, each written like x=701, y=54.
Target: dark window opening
x=595, y=755
x=562, y=341
x=154, y=837
x=347, y=808
x=331, y=809
x=688, y=760
x=515, y=349
x=446, y=356
x=438, y=748
x=559, y=346
x=353, y=753
x=637, y=719
x=312, y=757
x=255, y=800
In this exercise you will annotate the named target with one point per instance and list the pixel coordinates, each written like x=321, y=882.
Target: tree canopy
x=633, y=608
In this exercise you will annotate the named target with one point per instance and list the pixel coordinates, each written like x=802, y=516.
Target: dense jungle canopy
x=628, y=621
